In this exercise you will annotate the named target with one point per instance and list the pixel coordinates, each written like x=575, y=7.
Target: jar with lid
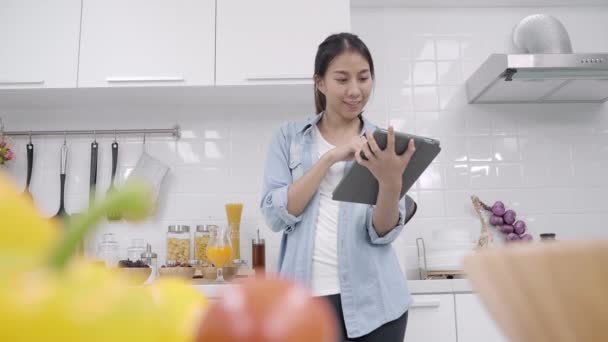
x=108, y=250
x=138, y=246
x=178, y=243
x=151, y=259
x=201, y=241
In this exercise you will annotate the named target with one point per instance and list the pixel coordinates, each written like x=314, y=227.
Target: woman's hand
x=385, y=165
x=347, y=152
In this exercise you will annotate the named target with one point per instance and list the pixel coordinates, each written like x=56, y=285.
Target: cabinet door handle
x=143, y=79
x=278, y=78
x=24, y=82
x=426, y=303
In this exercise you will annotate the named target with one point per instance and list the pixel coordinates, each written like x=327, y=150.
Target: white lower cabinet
x=473, y=322
x=431, y=319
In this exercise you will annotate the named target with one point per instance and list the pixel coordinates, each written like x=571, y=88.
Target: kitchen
x=104, y=66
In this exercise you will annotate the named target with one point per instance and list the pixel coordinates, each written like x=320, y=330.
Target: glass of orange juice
x=219, y=250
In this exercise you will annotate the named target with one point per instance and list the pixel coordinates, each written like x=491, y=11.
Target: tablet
x=359, y=185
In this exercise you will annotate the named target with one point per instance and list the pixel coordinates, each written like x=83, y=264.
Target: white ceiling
x=475, y=3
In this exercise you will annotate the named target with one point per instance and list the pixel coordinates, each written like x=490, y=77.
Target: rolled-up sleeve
x=277, y=178
x=393, y=233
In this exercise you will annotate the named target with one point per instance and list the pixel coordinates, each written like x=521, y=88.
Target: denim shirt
x=373, y=289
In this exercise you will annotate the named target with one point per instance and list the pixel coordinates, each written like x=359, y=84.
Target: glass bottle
x=258, y=256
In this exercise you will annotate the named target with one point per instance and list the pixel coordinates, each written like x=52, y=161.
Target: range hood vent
x=540, y=78
x=542, y=70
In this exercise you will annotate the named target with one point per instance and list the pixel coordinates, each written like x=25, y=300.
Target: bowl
x=210, y=272
x=185, y=273
x=544, y=291
x=135, y=275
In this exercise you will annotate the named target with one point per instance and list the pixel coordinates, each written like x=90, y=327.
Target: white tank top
x=325, y=276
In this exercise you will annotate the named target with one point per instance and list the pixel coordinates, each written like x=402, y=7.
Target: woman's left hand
x=385, y=165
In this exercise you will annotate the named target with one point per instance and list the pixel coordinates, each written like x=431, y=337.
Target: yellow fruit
x=27, y=237
x=182, y=306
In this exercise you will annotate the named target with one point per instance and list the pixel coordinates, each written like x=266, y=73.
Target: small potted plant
x=6, y=154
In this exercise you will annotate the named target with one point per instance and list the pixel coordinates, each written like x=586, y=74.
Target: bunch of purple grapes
x=504, y=220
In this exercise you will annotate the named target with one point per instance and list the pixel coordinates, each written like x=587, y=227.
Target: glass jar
x=201, y=241
x=138, y=246
x=178, y=244
x=108, y=250
x=151, y=259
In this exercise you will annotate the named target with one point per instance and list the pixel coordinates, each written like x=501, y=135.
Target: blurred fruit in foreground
x=47, y=294
x=268, y=310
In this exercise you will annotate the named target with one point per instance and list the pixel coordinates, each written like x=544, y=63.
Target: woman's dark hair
x=331, y=47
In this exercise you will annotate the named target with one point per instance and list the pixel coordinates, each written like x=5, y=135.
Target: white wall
x=545, y=161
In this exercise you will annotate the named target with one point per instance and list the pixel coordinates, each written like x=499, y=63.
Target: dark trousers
x=389, y=332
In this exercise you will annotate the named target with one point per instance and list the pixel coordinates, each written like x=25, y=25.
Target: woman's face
x=347, y=84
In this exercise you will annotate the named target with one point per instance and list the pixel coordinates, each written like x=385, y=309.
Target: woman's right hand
x=347, y=152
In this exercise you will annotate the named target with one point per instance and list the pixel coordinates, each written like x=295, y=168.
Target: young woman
x=341, y=250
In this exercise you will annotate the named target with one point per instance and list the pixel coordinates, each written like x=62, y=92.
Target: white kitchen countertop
x=415, y=286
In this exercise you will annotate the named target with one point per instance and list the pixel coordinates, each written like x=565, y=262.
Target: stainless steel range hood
x=540, y=78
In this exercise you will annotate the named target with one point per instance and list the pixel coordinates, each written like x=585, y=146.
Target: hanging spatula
x=93, y=176
x=114, y=215
x=30, y=165
x=61, y=213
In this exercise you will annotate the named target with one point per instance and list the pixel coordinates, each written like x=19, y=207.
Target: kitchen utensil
x=114, y=215
x=93, y=176
x=30, y=165
x=61, y=213
x=545, y=291
x=150, y=170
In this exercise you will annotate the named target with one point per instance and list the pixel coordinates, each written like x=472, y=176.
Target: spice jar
x=178, y=244
x=151, y=259
x=201, y=241
x=134, y=251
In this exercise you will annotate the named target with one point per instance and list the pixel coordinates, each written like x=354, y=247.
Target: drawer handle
x=279, y=78
x=428, y=303
x=7, y=82
x=143, y=79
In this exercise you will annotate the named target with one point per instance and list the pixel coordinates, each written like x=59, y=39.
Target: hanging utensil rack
x=175, y=132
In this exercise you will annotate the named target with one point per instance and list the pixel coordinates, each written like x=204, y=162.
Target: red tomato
x=268, y=310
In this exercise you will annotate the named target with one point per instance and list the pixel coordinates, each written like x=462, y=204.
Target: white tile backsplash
x=547, y=162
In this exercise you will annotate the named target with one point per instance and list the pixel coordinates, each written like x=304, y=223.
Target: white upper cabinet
x=474, y=322
x=147, y=43
x=273, y=41
x=39, y=43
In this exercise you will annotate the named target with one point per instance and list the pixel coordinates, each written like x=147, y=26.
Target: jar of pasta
x=201, y=241
x=178, y=244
